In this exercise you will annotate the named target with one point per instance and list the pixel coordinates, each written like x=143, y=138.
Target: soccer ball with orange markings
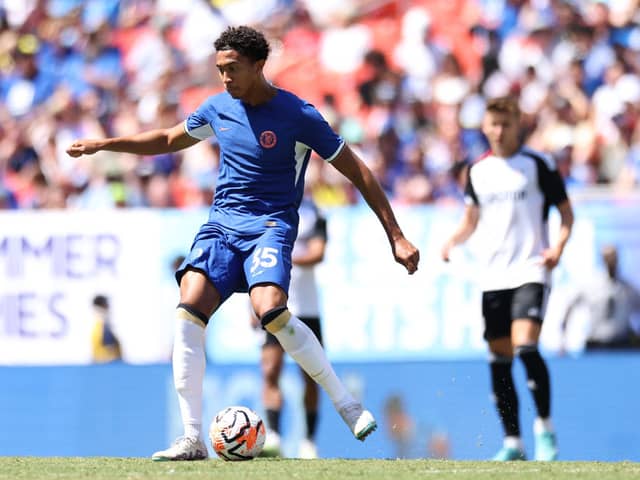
x=237, y=433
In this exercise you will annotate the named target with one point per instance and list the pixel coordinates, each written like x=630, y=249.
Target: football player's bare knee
x=197, y=291
x=266, y=297
x=501, y=346
x=525, y=331
x=271, y=377
x=311, y=395
x=310, y=386
x=272, y=358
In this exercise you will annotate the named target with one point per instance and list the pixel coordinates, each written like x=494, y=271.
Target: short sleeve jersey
x=264, y=152
x=514, y=196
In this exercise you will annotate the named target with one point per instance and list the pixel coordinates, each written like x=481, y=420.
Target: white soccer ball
x=237, y=433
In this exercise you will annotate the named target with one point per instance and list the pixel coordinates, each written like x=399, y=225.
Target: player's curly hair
x=247, y=41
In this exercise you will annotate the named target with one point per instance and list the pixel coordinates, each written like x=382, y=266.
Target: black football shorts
x=501, y=307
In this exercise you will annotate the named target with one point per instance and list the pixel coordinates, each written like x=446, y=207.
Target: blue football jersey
x=264, y=151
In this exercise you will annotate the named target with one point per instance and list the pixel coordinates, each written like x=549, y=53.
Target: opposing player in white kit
x=308, y=251
x=508, y=195
x=266, y=136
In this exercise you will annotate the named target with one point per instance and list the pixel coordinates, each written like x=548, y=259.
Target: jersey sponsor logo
x=268, y=139
x=503, y=197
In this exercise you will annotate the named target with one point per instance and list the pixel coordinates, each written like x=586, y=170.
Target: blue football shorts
x=237, y=262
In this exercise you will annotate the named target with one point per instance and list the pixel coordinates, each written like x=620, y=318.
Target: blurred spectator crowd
x=404, y=81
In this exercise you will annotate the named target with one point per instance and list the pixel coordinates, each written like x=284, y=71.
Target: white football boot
x=184, y=448
x=360, y=421
x=307, y=449
x=271, y=445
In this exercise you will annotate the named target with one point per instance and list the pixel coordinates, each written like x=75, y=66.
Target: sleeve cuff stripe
x=335, y=154
x=202, y=132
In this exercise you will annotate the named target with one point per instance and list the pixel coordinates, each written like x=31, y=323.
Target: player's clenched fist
x=83, y=147
x=407, y=254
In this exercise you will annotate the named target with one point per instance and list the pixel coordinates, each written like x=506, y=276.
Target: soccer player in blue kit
x=266, y=136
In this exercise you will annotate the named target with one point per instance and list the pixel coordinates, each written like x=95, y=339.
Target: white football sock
x=541, y=425
x=188, y=372
x=513, y=442
x=303, y=346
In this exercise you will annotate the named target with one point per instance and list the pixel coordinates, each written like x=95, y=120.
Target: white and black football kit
x=303, y=291
x=514, y=196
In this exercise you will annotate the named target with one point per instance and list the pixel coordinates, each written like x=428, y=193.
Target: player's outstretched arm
x=152, y=142
x=464, y=230
x=359, y=174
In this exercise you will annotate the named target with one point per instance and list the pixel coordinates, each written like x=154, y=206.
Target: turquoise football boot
x=508, y=454
x=546, y=447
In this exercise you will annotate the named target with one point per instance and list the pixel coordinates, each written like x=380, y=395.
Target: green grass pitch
x=28, y=468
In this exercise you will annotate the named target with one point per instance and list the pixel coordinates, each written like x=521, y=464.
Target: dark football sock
x=537, y=378
x=312, y=423
x=273, y=420
x=505, y=397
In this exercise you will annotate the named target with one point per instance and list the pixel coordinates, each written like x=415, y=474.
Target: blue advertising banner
x=424, y=409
